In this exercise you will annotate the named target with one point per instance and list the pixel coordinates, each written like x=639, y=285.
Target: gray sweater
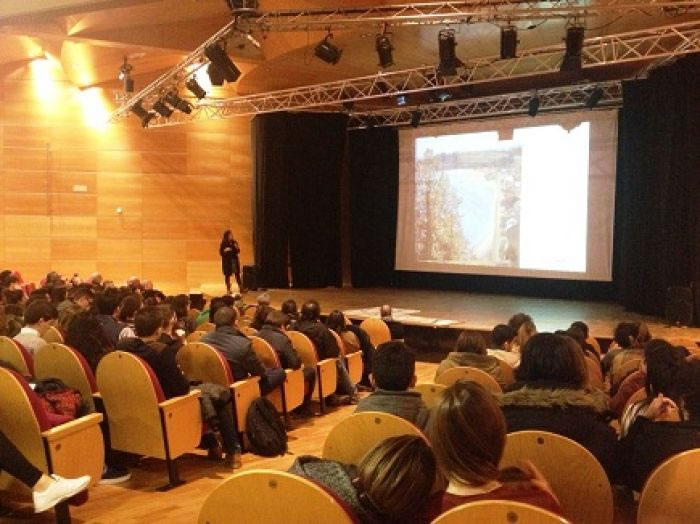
x=405, y=404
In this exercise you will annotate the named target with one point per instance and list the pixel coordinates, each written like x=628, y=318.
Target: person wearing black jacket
x=230, y=263
x=336, y=322
x=161, y=357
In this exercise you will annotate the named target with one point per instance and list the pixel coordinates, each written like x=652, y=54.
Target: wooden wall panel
x=178, y=189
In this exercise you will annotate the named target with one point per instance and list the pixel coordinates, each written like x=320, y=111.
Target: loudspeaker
x=679, y=306
x=250, y=277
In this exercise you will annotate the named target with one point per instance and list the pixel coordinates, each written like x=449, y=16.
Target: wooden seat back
x=202, y=362
x=57, y=360
x=619, y=374
x=291, y=395
x=593, y=342
x=304, y=347
x=195, y=336
x=499, y=511
x=670, y=492
x=595, y=374
x=248, y=331
x=589, y=499
x=506, y=372
x=354, y=436
x=53, y=335
x=19, y=358
x=326, y=370
x=638, y=395
x=377, y=330
x=429, y=393
x=265, y=352
x=206, y=327
x=353, y=360
x=271, y=496
x=452, y=375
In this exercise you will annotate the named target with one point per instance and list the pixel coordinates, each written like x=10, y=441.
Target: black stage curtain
x=297, y=166
x=658, y=194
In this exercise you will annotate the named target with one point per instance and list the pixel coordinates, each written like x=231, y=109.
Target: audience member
x=629, y=339
x=468, y=434
x=470, y=350
x=526, y=330
x=37, y=319
x=289, y=308
x=128, y=308
x=65, y=317
x=395, y=327
x=107, y=313
x=181, y=306
x=261, y=313
x=85, y=335
x=353, y=337
x=214, y=305
x=503, y=344
x=518, y=320
x=393, y=374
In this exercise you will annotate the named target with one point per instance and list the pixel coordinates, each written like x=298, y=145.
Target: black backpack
x=265, y=430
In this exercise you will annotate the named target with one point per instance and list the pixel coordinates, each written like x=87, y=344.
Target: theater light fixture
x=384, y=49
x=195, y=88
x=574, y=46
x=221, y=62
x=216, y=77
x=328, y=52
x=236, y=6
x=178, y=103
x=162, y=109
x=533, y=106
x=145, y=116
x=415, y=118
x=125, y=76
x=594, y=97
x=446, y=49
x=509, y=42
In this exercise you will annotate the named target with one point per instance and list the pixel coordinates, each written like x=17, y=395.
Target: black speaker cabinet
x=679, y=306
x=250, y=277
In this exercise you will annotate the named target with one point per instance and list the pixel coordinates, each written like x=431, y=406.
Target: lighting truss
x=555, y=99
x=440, y=13
x=644, y=45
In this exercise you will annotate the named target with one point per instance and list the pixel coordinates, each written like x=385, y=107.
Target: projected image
x=467, y=200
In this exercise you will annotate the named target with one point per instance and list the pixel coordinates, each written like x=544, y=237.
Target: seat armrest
x=74, y=426
x=175, y=402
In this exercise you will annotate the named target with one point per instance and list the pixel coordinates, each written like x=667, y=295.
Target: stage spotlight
x=574, y=46
x=162, y=109
x=216, y=77
x=533, y=106
x=125, y=76
x=401, y=100
x=195, y=88
x=594, y=97
x=509, y=42
x=446, y=49
x=221, y=61
x=328, y=52
x=238, y=6
x=178, y=103
x=384, y=50
x=415, y=118
x=145, y=116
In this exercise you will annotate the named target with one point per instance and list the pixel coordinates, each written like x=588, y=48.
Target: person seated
x=238, y=351
x=393, y=374
x=82, y=296
x=550, y=395
x=261, y=311
x=107, y=313
x=628, y=340
x=161, y=357
x=47, y=491
x=128, y=308
x=467, y=431
x=526, y=330
x=85, y=335
x=289, y=308
x=470, y=350
x=65, y=317
x=518, y=320
x=393, y=480
x=37, y=319
x=395, y=328
x=273, y=332
x=354, y=337
x=502, y=345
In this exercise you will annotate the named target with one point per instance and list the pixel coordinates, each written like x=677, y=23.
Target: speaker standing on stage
x=230, y=264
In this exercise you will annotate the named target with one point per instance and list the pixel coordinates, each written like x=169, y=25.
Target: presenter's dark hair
x=227, y=235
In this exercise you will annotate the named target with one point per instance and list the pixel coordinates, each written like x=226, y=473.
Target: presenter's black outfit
x=230, y=265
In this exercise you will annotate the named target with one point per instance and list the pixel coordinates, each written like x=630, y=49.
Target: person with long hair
x=230, y=263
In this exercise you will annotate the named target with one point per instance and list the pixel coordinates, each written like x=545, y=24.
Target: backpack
x=265, y=430
x=59, y=399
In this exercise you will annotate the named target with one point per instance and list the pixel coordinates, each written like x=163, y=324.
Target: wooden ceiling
x=92, y=37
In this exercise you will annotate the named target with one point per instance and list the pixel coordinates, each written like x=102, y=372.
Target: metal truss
x=643, y=45
x=554, y=99
x=439, y=13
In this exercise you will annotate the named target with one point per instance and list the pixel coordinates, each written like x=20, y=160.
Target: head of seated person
x=625, y=335
x=393, y=367
x=129, y=307
x=39, y=314
x=225, y=317
x=181, y=305
x=552, y=359
x=289, y=308
x=518, y=319
x=336, y=321
x=661, y=364
x=148, y=323
x=275, y=319
x=502, y=337
x=214, y=305
x=582, y=326
x=470, y=343
x=83, y=297
x=84, y=333
x=311, y=311
x=526, y=330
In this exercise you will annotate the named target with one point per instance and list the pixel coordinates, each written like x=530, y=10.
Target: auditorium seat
x=291, y=393
x=499, y=511
x=206, y=327
x=19, y=358
x=429, y=392
x=507, y=372
x=377, y=330
x=71, y=450
x=140, y=419
x=619, y=374
x=53, y=335
x=248, y=331
x=595, y=373
x=262, y=496
x=638, y=395
x=452, y=375
x=195, y=336
x=60, y=361
x=326, y=370
x=593, y=342
x=355, y=435
x=670, y=493
x=576, y=477
x=353, y=359
x=203, y=363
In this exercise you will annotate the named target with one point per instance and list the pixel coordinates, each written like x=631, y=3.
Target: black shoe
x=115, y=475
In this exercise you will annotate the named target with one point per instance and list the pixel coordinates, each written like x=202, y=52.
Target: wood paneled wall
x=64, y=174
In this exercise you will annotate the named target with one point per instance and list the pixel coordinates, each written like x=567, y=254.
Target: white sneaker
x=60, y=489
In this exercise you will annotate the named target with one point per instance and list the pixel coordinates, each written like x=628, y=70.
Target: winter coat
x=486, y=363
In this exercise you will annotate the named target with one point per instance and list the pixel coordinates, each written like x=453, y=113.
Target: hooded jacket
x=486, y=363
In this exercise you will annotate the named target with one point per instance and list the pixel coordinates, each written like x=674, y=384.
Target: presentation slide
x=512, y=197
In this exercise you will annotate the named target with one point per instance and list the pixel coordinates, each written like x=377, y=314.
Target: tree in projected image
x=439, y=236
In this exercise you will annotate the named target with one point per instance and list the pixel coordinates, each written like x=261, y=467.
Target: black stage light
x=195, y=88
x=533, y=106
x=221, y=61
x=415, y=118
x=145, y=116
x=216, y=77
x=328, y=52
x=509, y=42
x=574, y=46
x=237, y=6
x=446, y=49
x=178, y=103
x=125, y=76
x=384, y=50
x=162, y=109
x=594, y=97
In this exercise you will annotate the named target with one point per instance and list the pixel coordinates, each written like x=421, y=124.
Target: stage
x=475, y=312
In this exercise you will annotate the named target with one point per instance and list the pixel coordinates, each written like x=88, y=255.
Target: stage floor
x=480, y=312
